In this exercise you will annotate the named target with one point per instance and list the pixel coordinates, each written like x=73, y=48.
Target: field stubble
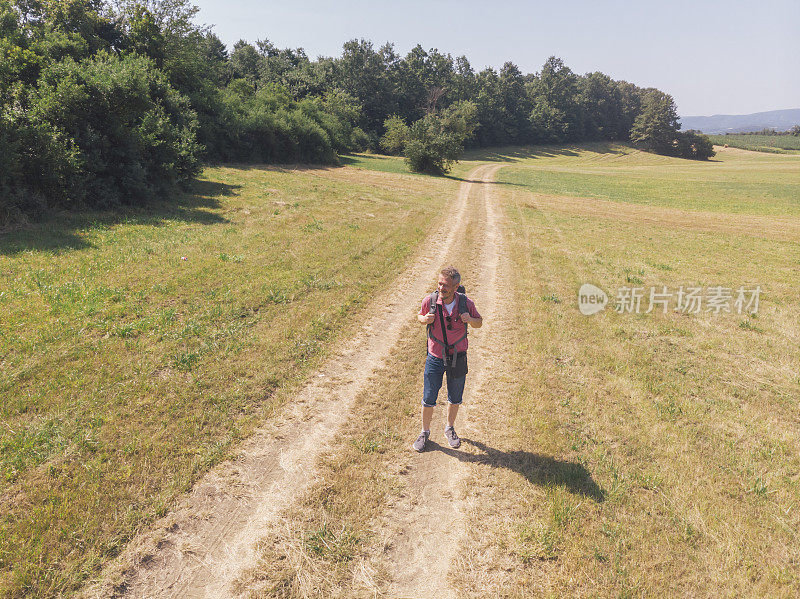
x=622, y=454
x=138, y=350
x=619, y=454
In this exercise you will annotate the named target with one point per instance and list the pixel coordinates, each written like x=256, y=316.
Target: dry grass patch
x=127, y=370
x=331, y=543
x=686, y=424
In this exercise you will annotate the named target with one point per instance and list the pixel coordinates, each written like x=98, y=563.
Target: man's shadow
x=536, y=468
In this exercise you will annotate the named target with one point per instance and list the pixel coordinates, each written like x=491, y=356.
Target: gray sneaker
x=419, y=444
x=452, y=437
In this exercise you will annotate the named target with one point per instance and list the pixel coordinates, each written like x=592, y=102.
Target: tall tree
x=425, y=82
x=555, y=115
x=516, y=105
x=656, y=126
x=362, y=73
x=601, y=104
x=246, y=62
x=631, y=99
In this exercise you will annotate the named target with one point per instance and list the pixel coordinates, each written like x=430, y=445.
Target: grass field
x=631, y=455
x=687, y=423
x=746, y=184
x=776, y=144
x=136, y=349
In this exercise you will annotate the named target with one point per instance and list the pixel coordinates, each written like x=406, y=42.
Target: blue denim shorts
x=434, y=372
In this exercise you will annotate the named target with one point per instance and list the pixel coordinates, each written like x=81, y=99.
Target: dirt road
x=200, y=548
x=427, y=525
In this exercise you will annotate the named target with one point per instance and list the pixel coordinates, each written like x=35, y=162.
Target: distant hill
x=743, y=123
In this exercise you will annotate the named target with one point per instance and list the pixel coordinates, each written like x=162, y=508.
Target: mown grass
x=138, y=347
x=329, y=544
x=626, y=455
x=731, y=183
x=775, y=144
x=686, y=424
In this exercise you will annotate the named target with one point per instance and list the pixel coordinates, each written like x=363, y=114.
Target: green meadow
x=744, y=184
x=776, y=144
x=138, y=348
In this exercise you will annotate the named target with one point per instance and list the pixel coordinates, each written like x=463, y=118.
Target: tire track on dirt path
x=426, y=524
x=199, y=549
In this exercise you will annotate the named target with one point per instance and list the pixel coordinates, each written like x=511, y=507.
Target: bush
x=437, y=140
x=693, y=144
x=266, y=125
x=36, y=162
x=397, y=135
x=134, y=133
x=359, y=140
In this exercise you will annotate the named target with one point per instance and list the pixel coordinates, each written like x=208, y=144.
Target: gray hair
x=451, y=273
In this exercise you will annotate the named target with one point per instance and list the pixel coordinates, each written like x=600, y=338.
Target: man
x=446, y=313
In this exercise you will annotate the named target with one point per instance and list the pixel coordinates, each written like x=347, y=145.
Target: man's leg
x=433, y=378
x=452, y=412
x=455, y=393
x=434, y=373
x=427, y=415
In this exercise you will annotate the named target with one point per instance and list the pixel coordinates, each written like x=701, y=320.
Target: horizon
x=742, y=114
x=674, y=53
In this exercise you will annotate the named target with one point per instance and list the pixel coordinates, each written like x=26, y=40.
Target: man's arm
x=475, y=323
x=425, y=316
x=472, y=317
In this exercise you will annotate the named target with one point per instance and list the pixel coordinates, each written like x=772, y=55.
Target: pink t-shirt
x=455, y=320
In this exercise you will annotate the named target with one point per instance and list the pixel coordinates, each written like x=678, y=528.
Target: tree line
x=105, y=103
x=794, y=130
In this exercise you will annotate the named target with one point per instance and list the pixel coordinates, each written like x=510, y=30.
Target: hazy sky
x=714, y=57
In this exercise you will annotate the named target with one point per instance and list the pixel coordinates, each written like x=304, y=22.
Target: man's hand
x=427, y=318
x=465, y=317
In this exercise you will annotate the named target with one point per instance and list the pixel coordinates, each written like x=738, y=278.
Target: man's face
x=447, y=287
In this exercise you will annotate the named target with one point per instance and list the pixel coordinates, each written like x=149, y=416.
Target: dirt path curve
x=426, y=525
x=200, y=548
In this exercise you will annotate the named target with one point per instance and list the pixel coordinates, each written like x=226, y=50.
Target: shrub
x=359, y=140
x=39, y=165
x=693, y=144
x=266, y=125
x=396, y=136
x=437, y=140
x=134, y=133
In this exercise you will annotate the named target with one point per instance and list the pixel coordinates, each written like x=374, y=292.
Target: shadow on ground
x=517, y=153
x=61, y=231
x=536, y=468
x=350, y=161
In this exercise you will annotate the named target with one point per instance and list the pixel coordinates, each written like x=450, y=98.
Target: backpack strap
x=449, y=360
x=462, y=308
x=434, y=299
x=462, y=303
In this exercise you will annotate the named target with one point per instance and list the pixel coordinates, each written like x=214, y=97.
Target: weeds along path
x=200, y=548
x=426, y=525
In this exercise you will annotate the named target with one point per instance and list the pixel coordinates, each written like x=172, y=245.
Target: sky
x=713, y=57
